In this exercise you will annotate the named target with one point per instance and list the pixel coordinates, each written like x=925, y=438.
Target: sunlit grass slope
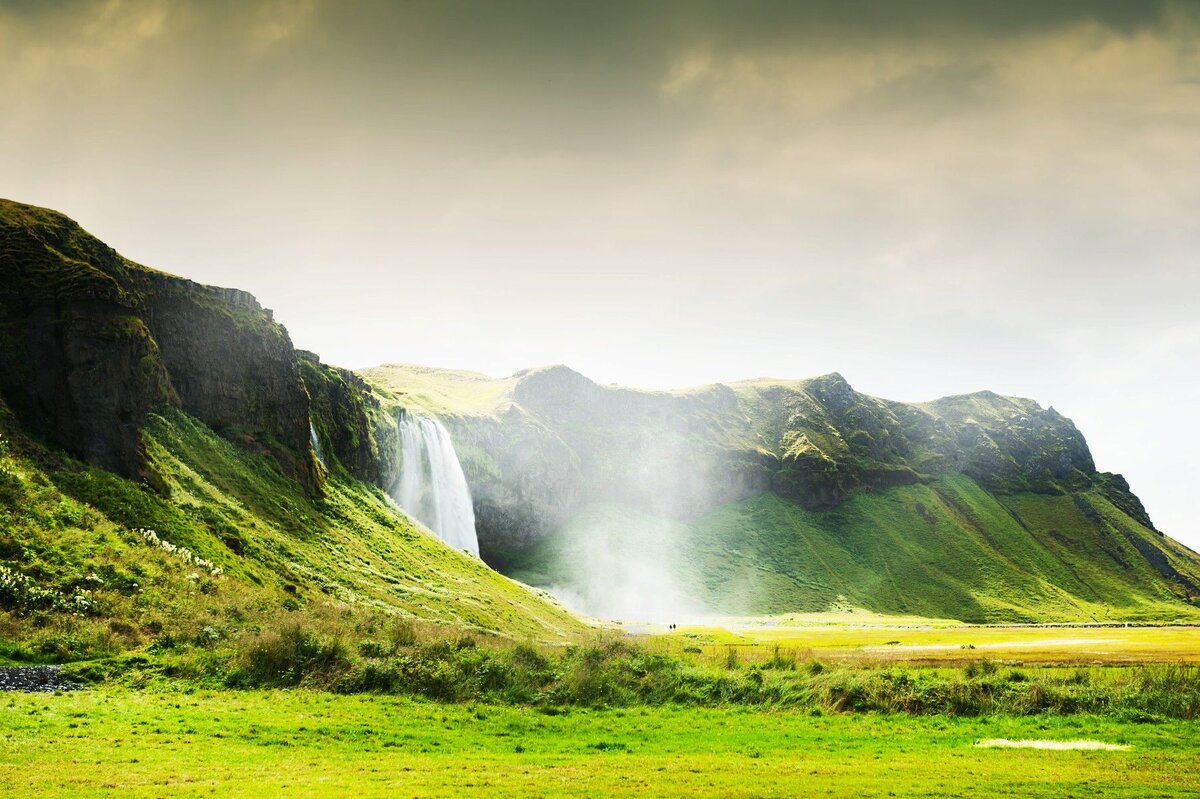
x=441, y=391
x=944, y=549
x=947, y=549
x=79, y=579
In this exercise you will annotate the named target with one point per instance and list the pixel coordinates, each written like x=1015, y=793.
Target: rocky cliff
x=90, y=342
x=346, y=416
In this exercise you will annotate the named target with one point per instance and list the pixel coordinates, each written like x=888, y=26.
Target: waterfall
x=431, y=486
x=316, y=445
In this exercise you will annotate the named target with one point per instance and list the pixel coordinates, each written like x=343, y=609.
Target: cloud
x=990, y=158
x=277, y=21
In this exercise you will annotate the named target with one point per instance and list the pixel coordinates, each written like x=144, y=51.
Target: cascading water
x=431, y=486
x=316, y=445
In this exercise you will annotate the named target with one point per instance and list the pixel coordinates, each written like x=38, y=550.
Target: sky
x=929, y=197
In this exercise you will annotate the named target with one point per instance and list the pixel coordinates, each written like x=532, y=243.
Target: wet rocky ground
x=33, y=678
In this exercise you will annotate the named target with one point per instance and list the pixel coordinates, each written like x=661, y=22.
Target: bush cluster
x=606, y=673
x=616, y=673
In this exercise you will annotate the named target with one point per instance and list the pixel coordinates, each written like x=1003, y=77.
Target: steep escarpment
x=772, y=496
x=92, y=342
x=77, y=362
x=346, y=415
x=231, y=366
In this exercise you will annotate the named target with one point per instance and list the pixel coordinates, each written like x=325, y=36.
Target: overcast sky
x=929, y=197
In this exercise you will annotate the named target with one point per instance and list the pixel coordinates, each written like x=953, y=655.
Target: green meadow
x=114, y=741
x=337, y=651
x=859, y=637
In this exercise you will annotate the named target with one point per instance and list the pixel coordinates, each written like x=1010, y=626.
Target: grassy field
x=110, y=741
x=872, y=639
x=441, y=390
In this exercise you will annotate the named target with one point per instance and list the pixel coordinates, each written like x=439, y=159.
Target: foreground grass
x=142, y=744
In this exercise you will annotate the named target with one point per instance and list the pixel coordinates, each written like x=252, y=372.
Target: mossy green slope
x=948, y=549
x=80, y=578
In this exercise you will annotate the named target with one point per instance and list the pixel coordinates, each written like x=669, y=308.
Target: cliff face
x=832, y=441
x=78, y=364
x=344, y=412
x=232, y=366
x=553, y=441
x=90, y=342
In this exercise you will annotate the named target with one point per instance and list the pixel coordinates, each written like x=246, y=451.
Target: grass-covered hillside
x=948, y=548
x=93, y=564
x=772, y=496
x=174, y=474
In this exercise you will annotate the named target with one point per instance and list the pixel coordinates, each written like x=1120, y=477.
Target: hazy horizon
x=930, y=198
x=664, y=388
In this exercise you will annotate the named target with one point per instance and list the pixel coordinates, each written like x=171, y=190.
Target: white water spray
x=624, y=565
x=432, y=487
x=316, y=445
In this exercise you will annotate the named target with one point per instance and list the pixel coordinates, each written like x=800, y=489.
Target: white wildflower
x=183, y=553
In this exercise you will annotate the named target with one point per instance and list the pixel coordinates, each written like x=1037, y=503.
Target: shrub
x=980, y=668
x=289, y=657
x=401, y=634
x=372, y=649
x=781, y=661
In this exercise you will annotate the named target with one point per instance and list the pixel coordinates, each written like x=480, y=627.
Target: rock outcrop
x=91, y=342
x=344, y=414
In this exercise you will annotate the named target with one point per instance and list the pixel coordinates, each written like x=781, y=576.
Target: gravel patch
x=33, y=678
